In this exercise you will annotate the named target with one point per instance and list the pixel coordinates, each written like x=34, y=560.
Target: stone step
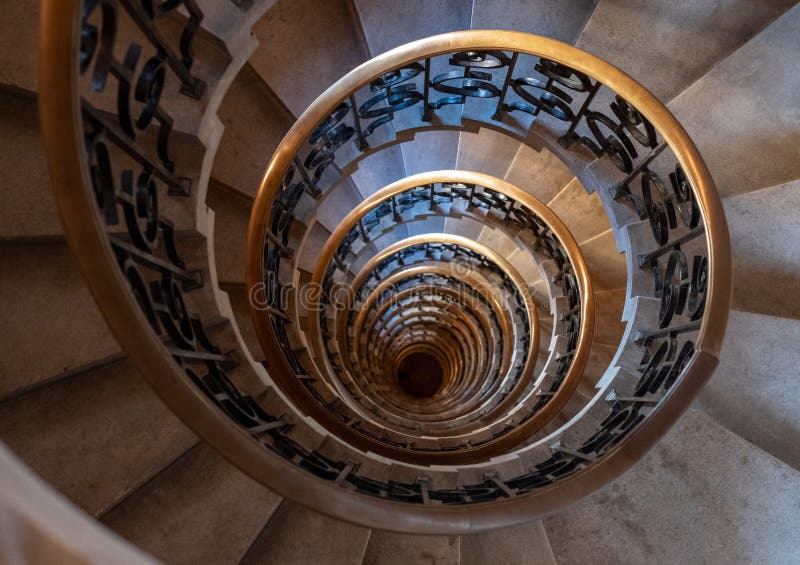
x=387, y=548
x=241, y=311
x=255, y=122
x=47, y=528
x=200, y=509
x=231, y=218
x=702, y=495
x=487, y=151
x=56, y=325
x=431, y=151
x=297, y=536
x=747, y=133
x=29, y=207
x=539, y=173
x=754, y=390
x=582, y=213
x=332, y=46
x=682, y=41
x=96, y=436
x=337, y=204
x=226, y=24
x=765, y=229
x=608, y=325
x=559, y=19
x=19, y=46
x=519, y=545
x=378, y=170
x=607, y=267
x=320, y=41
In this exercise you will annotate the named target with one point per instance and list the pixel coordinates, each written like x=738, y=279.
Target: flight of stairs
x=723, y=486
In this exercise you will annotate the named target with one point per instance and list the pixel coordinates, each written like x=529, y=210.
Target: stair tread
x=765, y=229
x=378, y=170
x=231, y=219
x=539, y=173
x=255, y=123
x=583, y=214
x=702, y=495
x=746, y=144
x=607, y=267
x=47, y=528
x=487, y=151
x=48, y=308
x=95, y=436
x=430, y=151
x=29, y=209
x=753, y=391
x=18, y=46
x=518, y=545
x=199, y=510
x=297, y=535
x=684, y=40
x=560, y=19
x=388, y=24
x=330, y=48
x=387, y=548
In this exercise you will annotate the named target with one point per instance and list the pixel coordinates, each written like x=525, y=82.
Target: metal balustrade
x=122, y=116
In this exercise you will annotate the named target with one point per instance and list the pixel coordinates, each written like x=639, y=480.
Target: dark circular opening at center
x=420, y=374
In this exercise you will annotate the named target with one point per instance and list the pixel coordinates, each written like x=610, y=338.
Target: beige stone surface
x=388, y=24
x=241, y=311
x=607, y=268
x=96, y=436
x=254, y=124
x=29, y=208
x=231, y=217
x=379, y=169
x=430, y=151
x=582, y=213
x=199, y=510
x=608, y=307
x=668, y=45
x=487, y=151
x=754, y=390
x=336, y=204
x=298, y=536
x=600, y=357
x=765, y=229
x=702, y=495
x=41, y=526
x=744, y=115
x=305, y=46
x=539, y=173
x=387, y=548
x=559, y=19
x=520, y=545
x=18, y=40
x=49, y=323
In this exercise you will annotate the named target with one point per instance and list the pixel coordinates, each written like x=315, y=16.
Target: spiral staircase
x=359, y=281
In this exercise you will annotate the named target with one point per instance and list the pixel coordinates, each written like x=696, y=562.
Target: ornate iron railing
x=585, y=111
x=117, y=156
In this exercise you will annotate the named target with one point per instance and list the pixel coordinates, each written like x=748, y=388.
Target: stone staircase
x=722, y=487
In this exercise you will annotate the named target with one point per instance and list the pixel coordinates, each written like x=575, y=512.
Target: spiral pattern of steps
x=484, y=274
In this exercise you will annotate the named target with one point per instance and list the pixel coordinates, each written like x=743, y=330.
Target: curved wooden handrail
x=60, y=111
